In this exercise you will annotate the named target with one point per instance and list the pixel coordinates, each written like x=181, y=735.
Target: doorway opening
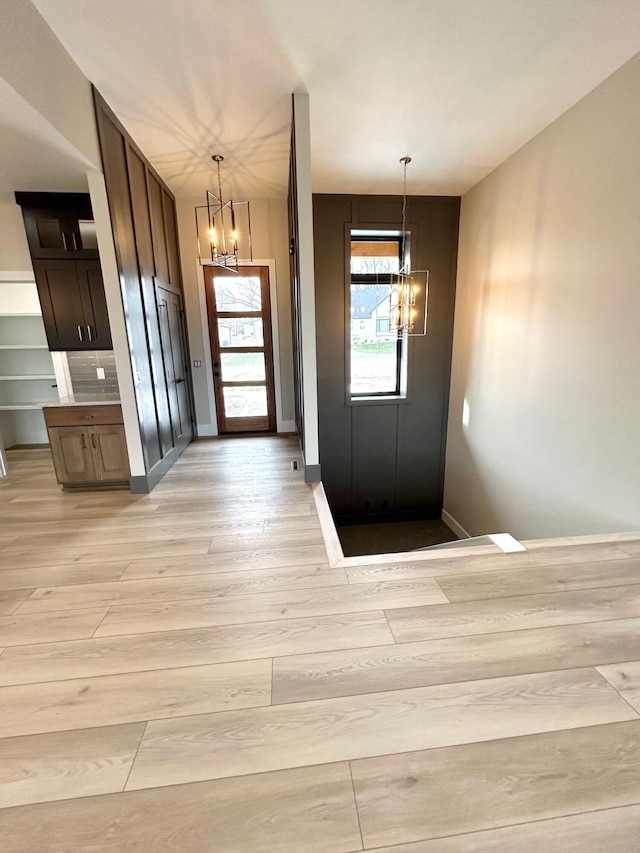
x=240, y=336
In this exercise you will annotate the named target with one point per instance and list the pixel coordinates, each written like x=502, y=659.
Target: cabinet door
x=61, y=302
x=110, y=453
x=72, y=456
x=94, y=305
x=82, y=228
x=59, y=226
x=47, y=232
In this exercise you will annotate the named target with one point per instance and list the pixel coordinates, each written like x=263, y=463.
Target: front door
x=238, y=307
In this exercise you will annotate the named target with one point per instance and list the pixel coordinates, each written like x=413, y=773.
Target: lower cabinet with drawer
x=88, y=446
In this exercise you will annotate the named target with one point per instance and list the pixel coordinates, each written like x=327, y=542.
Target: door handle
x=80, y=333
x=65, y=241
x=84, y=441
x=179, y=380
x=90, y=333
x=74, y=241
x=93, y=439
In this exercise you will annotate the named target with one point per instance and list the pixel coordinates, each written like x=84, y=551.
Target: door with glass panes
x=238, y=307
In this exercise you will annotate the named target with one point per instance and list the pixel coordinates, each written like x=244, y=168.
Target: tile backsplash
x=83, y=370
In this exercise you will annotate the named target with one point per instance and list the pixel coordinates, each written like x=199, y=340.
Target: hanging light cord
x=220, y=180
x=405, y=162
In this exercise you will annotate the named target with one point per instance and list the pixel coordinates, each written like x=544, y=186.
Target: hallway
x=186, y=671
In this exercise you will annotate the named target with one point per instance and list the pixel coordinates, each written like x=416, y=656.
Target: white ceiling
x=457, y=84
x=33, y=155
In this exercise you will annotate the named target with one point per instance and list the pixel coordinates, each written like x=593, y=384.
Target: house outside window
x=375, y=351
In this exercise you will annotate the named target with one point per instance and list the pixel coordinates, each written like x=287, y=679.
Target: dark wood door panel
x=143, y=217
x=94, y=305
x=61, y=302
x=157, y=229
x=171, y=234
x=176, y=368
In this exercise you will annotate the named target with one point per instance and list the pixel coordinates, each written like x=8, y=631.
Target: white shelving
x=27, y=377
x=25, y=407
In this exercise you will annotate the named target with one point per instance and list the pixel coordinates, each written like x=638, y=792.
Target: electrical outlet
x=197, y=363
x=100, y=372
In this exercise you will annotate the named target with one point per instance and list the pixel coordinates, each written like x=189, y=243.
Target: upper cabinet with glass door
x=59, y=225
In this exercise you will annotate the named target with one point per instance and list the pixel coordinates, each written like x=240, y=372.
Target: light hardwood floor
x=185, y=671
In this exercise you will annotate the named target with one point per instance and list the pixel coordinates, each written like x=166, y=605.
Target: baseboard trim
x=458, y=529
x=312, y=474
x=586, y=539
x=143, y=484
x=332, y=544
x=206, y=430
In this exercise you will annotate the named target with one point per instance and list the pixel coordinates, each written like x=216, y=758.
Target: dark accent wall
x=143, y=219
x=384, y=459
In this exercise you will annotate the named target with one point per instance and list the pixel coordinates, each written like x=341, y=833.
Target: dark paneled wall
x=144, y=227
x=384, y=459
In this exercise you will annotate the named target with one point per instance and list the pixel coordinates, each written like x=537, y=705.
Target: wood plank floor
x=186, y=671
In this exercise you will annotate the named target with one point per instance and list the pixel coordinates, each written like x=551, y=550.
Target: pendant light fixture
x=223, y=229
x=409, y=288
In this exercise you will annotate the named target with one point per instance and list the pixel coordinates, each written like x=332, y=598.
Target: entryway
x=239, y=312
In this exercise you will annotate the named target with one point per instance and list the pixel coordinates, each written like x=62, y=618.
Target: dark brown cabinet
x=88, y=446
x=59, y=225
x=74, y=307
x=64, y=250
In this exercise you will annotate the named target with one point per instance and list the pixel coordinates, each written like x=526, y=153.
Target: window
x=375, y=351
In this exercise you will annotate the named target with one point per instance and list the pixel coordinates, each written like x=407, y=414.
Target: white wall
x=546, y=364
x=14, y=251
x=36, y=65
x=269, y=231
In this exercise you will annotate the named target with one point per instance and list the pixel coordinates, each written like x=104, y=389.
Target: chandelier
x=223, y=229
x=409, y=288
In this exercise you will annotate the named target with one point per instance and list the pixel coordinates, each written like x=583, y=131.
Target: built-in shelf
x=28, y=376
x=20, y=407
x=22, y=346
